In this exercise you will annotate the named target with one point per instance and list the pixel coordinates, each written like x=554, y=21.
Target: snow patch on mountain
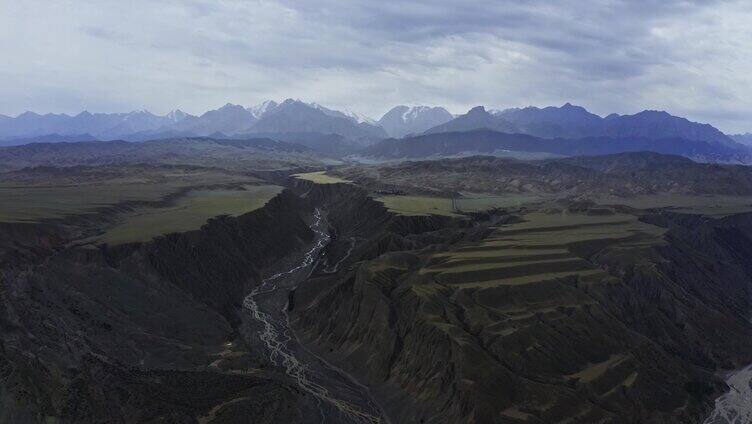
x=403, y=120
x=261, y=109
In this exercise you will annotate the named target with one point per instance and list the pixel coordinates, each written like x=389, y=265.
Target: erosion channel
x=339, y=396
x=735, y=407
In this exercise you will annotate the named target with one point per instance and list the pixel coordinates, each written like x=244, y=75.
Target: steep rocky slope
x=634, y=340
x=140, y=333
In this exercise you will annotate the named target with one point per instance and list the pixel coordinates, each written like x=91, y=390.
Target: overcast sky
x=690, y=58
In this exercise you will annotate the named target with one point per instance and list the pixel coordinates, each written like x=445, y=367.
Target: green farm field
x=320, y=177
x=418, y=205
x=34, y=197
x=539, y=249
x=528, y=271
x=189, y=212
x=710, y=205
x=473, y=202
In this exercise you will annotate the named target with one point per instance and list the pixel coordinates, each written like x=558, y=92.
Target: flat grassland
x=40, y=195
x=320, y=177
x=473, y=202
x=418, y=205
x=189, y=212
x=710, y=205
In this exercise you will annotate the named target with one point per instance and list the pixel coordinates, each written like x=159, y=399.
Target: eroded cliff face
x=638, y=341
x=134, y=333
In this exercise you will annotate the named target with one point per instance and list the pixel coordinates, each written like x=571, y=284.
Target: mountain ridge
x=289, y=116
x=293, y=116
x=486, y=141
x=570, y=121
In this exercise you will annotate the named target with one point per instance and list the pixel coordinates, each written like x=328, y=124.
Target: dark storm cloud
x=690, y=58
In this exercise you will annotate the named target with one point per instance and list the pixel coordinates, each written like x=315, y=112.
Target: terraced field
x=539, y=249
x=528, y=289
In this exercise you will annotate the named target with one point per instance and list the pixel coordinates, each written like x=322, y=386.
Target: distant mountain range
x=574, y=122
x=490, y=142
x=339, y=133
x=290, y=116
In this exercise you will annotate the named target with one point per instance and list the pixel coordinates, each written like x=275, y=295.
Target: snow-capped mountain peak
x=353, y=116
x=415, y=112
x=403, y=120
x=176, y=115
x=262, y=108
x=361, y=119
x=138, y=114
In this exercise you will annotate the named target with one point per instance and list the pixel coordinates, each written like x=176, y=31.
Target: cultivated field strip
x=188, y=212
x=538, y=249
x=526, y=288
x=320, y=177
x=37, y=196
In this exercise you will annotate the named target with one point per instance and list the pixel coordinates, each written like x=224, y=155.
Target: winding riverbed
x=735, y=407
x=339, y=396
